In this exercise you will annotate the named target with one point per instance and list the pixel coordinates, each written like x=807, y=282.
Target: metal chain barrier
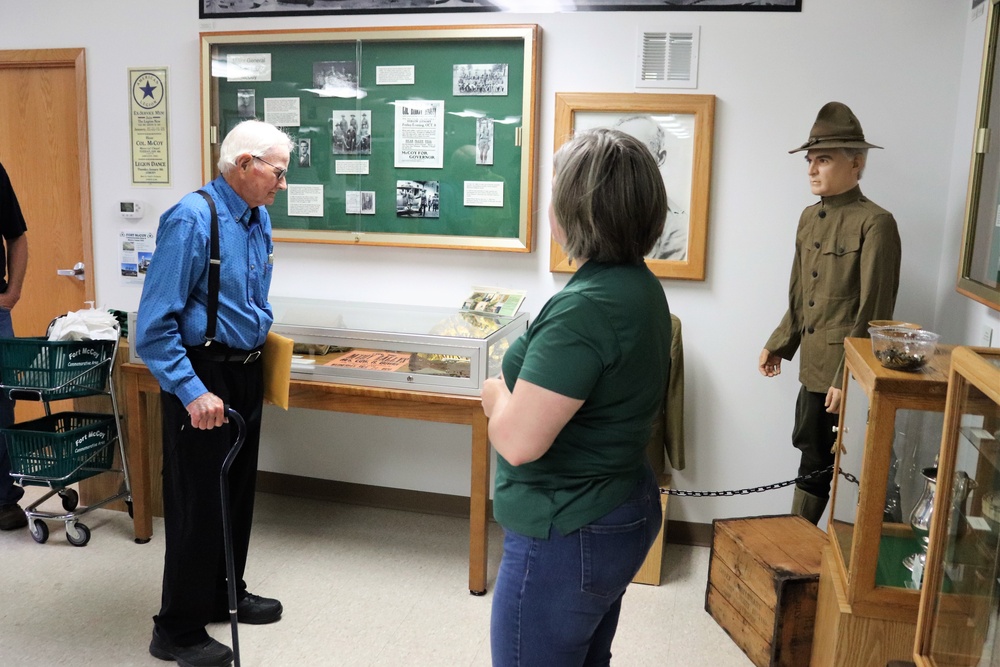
x=757, y=489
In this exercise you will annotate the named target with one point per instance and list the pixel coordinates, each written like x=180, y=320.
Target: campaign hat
x=836, y=126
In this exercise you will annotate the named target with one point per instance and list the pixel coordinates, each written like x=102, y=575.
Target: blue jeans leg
x=557, y=600
x=9, y=492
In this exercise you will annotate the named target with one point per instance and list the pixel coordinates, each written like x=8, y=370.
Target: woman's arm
x=525, y=423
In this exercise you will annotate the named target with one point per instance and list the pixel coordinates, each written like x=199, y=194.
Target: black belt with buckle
x=223, y=354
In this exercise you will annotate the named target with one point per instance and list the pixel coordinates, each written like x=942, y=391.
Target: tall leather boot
x=808, y=506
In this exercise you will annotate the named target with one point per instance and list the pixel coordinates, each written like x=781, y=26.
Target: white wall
x=908, y=68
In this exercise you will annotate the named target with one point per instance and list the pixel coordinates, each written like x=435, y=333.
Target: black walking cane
x=227, y=529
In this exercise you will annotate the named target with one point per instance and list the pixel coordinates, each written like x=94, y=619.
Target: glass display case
x=418, y=348
x=888, y=437
x=960, y=604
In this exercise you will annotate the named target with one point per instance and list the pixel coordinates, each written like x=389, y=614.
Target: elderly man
x=845, y=273
x=201, y=338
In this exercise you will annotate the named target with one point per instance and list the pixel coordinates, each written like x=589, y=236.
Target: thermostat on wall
x=131, y=210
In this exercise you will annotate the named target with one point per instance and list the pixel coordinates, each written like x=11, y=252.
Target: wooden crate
x=762, y=582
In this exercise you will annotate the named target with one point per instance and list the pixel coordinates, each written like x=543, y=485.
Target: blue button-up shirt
x=173, y=309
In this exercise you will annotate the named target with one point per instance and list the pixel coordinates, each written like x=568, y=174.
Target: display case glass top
x=961, y=600
x=889, y=434
x=422, y=348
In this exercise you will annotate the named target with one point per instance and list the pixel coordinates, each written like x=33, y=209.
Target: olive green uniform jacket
x=846, y=272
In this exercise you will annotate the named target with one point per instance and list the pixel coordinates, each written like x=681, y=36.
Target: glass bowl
x=901, y=348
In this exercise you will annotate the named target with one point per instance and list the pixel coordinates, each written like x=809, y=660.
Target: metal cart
x=61, y=449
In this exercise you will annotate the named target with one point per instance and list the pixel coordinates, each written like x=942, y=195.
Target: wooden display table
x=141, y=407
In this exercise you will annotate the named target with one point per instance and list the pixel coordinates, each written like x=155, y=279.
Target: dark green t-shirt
x=604, y=339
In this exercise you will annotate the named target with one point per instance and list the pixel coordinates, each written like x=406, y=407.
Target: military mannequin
x=845, y=273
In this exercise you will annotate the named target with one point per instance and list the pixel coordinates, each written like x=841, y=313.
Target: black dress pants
x=814, y=437
x=194, y=567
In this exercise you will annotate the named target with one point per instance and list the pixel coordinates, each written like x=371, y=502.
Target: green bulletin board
x=350, y=87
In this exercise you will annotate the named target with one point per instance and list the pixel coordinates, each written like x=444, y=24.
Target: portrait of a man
x=246, y=102
x=305, y=152
x=663, y=136
x=677, y=131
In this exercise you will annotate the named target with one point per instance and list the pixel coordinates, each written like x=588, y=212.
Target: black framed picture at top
x=221, y=9
x=419, y=137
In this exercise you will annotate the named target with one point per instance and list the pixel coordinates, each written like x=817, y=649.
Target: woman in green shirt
x=572, y=413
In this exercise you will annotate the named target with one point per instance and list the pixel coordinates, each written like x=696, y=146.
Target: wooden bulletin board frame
x=435, y=55
x=691, y=165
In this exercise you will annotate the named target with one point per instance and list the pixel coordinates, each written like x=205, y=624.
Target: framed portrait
x=678, y=131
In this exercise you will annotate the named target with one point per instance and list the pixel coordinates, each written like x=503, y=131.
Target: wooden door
x=44, y=147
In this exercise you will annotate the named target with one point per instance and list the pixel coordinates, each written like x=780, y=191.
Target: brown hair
x=608, y=196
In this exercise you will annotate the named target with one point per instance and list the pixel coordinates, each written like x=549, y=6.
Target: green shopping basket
x=40, y=369
x=60, y=449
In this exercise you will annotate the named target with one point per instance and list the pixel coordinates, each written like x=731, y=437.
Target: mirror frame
x=982, y=159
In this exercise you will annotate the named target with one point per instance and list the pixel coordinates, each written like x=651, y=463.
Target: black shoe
x=254, y=610
x=209, y=653
x=12, y=517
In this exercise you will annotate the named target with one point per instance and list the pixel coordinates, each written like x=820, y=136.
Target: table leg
x=478, y=495
x=138, y=459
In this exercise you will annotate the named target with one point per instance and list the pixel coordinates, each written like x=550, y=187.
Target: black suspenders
x=214, y=266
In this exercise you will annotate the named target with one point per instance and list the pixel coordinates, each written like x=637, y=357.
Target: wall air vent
x=668, y=58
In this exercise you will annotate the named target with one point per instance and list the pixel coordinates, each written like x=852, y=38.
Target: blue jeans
x=557, y=600
x=9, y=492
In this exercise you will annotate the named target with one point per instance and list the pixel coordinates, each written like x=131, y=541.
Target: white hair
x=862, y=152
x=254, y=137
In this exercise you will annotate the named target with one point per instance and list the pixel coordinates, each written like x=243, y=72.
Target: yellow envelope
x=277, y=368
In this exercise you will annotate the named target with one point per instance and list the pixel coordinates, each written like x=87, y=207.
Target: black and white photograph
x=670, y=138
x=246, y=102
x=359, y=202
x=484, y=140
x=304, y=149
x=480, y=80
x=244, y=8
x=417, y=199
x=352, y=132
x=335, y=78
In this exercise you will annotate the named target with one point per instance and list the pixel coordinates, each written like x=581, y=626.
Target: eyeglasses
x=279, y=173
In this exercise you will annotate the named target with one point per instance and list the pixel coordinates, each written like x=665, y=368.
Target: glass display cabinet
x=889, y=436
x=960, y=603
x=418, y=348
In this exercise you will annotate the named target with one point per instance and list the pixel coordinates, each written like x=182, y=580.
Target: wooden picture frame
x=410, y=170
x=678, y=129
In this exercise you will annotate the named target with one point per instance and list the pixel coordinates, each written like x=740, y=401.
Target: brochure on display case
x=494, y=301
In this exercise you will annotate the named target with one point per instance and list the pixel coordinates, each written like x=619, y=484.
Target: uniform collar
x=844, y=198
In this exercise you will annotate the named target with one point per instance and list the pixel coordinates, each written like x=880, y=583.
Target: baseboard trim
x=689, y=533
x=425, y=502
